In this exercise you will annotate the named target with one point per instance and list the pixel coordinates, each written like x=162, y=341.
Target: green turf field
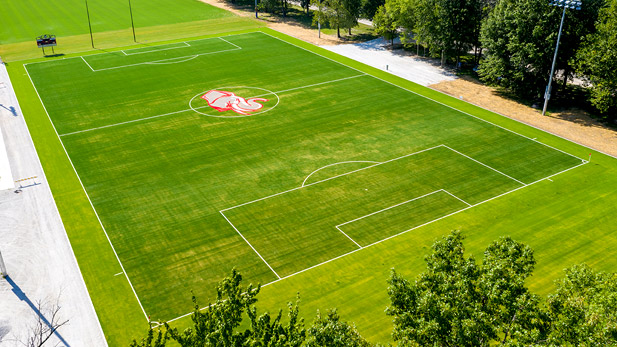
x=24, y=20
x=344, y=173
x=184, y=196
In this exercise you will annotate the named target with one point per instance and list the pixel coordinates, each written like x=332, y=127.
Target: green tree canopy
x=219, y=324
x=597, y=60
x=339, y=14
x=384, y=24
x=520, y=37
x=457, y=302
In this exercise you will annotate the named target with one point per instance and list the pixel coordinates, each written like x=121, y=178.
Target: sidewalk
x=38, y=256
x=397, y=62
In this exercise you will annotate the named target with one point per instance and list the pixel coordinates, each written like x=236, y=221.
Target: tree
x=218, y=325
x=597, y=60
x=458, y=302
x=404, y=14
x=384, y=24
x=583, y=309
x=337, y=13
x=369, y=8
x=330, y=331
x=520, y=37
x=46, y=324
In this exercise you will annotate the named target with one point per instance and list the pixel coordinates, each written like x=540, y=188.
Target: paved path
x=35, y=248
x=397, y=62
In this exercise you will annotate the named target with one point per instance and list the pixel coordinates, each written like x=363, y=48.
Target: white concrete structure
x=39, y=259
x=396, y=62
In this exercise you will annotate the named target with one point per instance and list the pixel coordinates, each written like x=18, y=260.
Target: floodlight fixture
x=571, y=4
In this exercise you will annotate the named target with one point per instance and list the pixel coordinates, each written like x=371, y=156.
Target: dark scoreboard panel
x=46, y=41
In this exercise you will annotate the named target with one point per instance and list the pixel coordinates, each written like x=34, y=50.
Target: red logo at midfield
x=228, y=101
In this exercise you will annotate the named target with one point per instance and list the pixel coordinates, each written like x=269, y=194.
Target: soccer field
x=318, y=162
x=24, y=20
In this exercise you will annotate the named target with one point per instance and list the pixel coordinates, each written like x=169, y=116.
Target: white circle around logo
x=260, y=93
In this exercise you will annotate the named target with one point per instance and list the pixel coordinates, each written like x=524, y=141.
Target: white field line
x=388, y=208
x=233, y=44
x=456, y=197
x=313, y=85
x=352, y=240
x=171, y=61
x=438, y=102
x=127, y=122
x=197, y=108
x=163, y=44
x=82, y=58
x=164, y=61
x=247, y=242
x=330, y=178
x=88, y=197
x=341, y=162
x=481, y=163
x=155, y=50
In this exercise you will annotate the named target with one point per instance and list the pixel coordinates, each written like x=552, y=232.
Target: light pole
x=89, y=25
x=132, y=23
x=319, y=20
x=572, y=4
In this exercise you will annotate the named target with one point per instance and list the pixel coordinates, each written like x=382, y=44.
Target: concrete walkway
x=41, y=265
x=396, y=62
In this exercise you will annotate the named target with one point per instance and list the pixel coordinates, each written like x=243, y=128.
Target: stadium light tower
x=572, y=4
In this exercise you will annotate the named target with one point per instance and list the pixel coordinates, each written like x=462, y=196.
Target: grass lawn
x=24, y=20
x=344, y=173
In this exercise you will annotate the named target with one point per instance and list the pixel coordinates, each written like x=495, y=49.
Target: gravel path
x=39, y=259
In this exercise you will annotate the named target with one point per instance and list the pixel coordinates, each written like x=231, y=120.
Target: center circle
x=240, y=91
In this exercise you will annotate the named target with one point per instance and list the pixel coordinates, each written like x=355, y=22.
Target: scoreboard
x=46, y=41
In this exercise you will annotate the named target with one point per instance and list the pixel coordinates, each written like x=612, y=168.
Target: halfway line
x=176, y=112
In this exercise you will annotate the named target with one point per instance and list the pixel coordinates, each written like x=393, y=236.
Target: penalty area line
x=247, y=241
x=419, y=226
x=399, y=234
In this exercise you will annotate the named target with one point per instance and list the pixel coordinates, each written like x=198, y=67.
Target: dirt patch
x=574, y=124
x=288, y=27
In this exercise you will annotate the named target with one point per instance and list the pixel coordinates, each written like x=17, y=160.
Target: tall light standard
x=89, y=25
x=132, y=23
x=572, y=4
